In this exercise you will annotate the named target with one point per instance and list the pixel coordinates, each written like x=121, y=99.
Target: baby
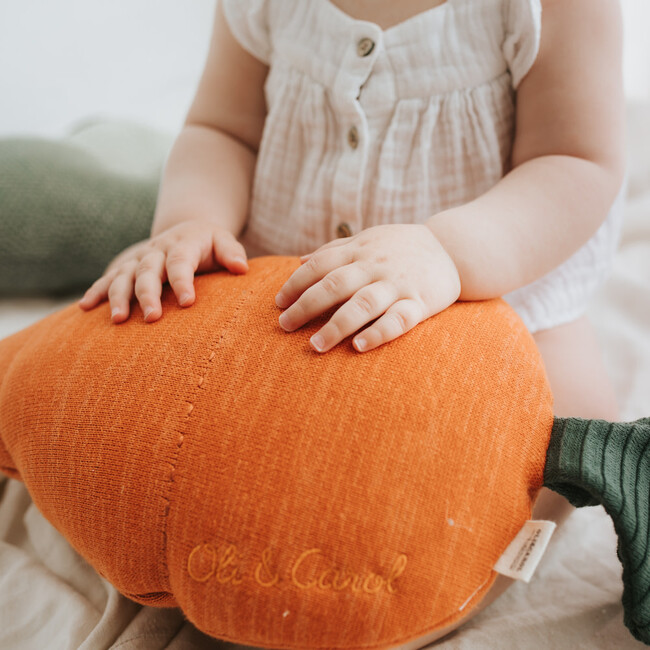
x=413, y=153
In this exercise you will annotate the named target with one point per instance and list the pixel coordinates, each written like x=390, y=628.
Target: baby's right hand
x=173, y=256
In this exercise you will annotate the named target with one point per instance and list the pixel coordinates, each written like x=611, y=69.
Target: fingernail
x=115, y=312
x=360, y=344
x=318, y=342
x=147, y=312
x=240, y=259
x=281, y=300
x=185, y=298
x=283, y=321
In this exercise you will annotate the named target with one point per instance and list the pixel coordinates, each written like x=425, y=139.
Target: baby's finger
x=148, y=284
x=182, y=262
x=333, y=289
x=315, y=269
x=329, y=244
x=398, y=319
x=120, y=293
x=97, y=292
x=229, y=252
x=365, y=305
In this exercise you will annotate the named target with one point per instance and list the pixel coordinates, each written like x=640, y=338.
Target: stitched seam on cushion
x=182, y=430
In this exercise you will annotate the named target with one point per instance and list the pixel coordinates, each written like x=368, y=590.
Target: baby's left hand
x=398, y=274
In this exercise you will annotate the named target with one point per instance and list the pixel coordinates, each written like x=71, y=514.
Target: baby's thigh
x=576, y=373
x=580, y=386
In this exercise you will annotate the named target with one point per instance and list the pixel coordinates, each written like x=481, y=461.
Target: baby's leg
x=595, y=462
x=576, y=372
x=580, y=388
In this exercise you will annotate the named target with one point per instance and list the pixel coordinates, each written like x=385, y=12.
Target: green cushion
x=67, y=207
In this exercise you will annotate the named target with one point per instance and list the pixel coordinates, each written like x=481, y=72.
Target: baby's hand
x=399, y=274
x=174, y=255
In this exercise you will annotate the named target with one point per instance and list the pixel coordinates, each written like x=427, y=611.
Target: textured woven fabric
x=68, y=207
x=422, y=121
x=281, y=498
x=594, y=462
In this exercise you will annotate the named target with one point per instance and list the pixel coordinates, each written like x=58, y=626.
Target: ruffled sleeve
x=249, y=23
x=523, y=23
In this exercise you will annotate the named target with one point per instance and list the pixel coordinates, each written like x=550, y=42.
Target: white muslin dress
x=368, y=126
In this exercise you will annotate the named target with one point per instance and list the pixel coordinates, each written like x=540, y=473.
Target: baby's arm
x=568, y=161
x=203, y=202
x=568, y=157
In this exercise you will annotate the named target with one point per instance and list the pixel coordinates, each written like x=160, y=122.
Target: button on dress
x=367, y=126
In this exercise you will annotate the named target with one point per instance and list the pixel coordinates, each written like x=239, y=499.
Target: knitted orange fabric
x=280, y=497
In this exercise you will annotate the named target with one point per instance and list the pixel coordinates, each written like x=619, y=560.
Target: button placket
x=356, y=67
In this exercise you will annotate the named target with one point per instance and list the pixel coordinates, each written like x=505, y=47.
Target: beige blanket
x=50, y=598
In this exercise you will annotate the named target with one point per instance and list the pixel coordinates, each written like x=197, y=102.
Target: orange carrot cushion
x=281, y=498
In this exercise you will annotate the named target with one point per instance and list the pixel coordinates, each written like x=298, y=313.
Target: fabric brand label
x=522, y=556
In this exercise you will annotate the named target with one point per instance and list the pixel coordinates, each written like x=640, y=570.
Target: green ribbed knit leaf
x=594, y=462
